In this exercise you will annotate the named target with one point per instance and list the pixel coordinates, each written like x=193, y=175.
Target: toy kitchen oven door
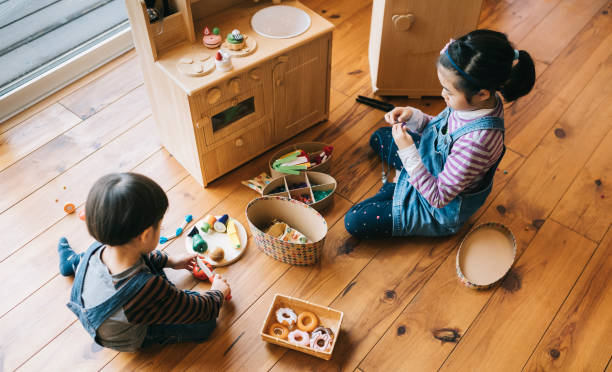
x=236, y=126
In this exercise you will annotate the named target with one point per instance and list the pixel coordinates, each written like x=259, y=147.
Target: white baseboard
x=65, y=73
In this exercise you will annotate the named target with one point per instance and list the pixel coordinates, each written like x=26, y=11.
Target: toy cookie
x=235, y=40
x=286, y=316
x=211, y=40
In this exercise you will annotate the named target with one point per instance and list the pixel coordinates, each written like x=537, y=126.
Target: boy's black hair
x=120, y=206
x=488, y=57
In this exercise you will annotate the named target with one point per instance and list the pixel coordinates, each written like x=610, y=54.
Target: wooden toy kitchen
x=262, y=77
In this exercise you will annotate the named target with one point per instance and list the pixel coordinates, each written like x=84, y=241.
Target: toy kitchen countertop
x=237, y=17
x=214, y=115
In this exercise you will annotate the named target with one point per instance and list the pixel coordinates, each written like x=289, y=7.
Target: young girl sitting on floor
x=120, y=292
x=447, y=162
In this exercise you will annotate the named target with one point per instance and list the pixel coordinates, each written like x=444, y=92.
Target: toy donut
x=320, y=341
x=307, y=321
x=279, y=331
x=298, y=337
x=325, y=331
x=286, y=316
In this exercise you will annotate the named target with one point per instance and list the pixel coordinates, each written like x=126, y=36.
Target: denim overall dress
x=412, y=213
x=93, y=317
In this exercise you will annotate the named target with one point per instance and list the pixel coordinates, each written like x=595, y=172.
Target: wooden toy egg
x=217, y=254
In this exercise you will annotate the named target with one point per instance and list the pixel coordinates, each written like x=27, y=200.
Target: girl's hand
x=401, y=137
x=398, y=115
x=220, y=284
x=184, y=261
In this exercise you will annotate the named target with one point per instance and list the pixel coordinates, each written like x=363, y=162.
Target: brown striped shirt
x=158, y=301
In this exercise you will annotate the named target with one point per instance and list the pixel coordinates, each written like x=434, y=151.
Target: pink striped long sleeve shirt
x=472, y=155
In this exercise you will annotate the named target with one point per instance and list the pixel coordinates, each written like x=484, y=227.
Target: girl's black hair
x=120, y=206
x=488, y=58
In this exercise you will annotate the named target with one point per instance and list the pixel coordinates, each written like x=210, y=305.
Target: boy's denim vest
x=93, y=317
x=412, y=213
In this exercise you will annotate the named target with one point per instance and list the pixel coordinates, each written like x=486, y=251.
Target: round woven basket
x=261, y=212
x=497, y=262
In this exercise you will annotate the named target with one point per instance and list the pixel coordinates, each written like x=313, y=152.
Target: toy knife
x=211, y=275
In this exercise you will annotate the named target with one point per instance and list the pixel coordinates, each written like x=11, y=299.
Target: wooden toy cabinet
x=405, y=41
x=212, y=124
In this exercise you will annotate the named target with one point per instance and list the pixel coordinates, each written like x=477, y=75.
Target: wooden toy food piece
x=307, y=321
x=299, y=337
x=199, y=244
x=221, y=224
x=286, y=316
x=201, y=274
x=217, y=254
x=233, y=234
x=82, y=214
x=211, y=40
x=209, y=222
x=279, y=330
x=235, y=40
x=69, y=208
x=320, y=341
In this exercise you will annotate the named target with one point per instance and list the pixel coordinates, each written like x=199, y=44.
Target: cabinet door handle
x=279, y=82
x=239, y=142
x=403, y=22
x=283, y=58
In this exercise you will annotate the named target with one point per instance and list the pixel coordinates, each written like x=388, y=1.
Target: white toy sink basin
x=280, y=22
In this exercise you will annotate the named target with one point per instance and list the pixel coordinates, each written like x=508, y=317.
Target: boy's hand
x=185, y=261
x=401, y=137
x=398, y=115
x=220, y=284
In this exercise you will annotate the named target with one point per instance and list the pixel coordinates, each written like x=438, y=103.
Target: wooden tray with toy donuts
x=219, y=240
x=303, y=326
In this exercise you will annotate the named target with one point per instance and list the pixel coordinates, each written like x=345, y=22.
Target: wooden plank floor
x=404, y=307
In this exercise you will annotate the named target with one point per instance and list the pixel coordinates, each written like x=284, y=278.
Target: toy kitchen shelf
x=212, y=124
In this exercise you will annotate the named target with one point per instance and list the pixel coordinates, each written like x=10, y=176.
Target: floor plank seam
x=60, y=97
x=14, y=161
x=44, y=346
x=569, y=292
x=79, y=162
x=572, y=229
x=413, y=299
x=73, y=165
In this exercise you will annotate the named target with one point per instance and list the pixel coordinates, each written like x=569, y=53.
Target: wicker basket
x=309, y=147
x=261, y=212
x=498, y=258
x=328, y=317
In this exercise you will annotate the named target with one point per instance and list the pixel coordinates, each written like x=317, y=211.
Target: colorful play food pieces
x=199, y=244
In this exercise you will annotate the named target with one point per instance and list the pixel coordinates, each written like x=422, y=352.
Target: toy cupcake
x=223, y=60
x=235, y=40
x=211, y=40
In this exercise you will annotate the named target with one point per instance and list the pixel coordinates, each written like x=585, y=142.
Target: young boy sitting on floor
x=120, y=292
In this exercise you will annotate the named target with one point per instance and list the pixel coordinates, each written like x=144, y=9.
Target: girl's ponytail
x=521, y=80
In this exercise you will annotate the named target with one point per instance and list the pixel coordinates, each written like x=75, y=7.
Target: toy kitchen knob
x=239, y=142
x=403, y=22
x=255, y=73
x=213, y=96
x=234, y=85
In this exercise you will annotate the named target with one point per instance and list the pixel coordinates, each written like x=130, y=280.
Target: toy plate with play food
x=219, y=241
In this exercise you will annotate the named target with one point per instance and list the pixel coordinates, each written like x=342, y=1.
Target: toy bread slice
x=233, y=234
